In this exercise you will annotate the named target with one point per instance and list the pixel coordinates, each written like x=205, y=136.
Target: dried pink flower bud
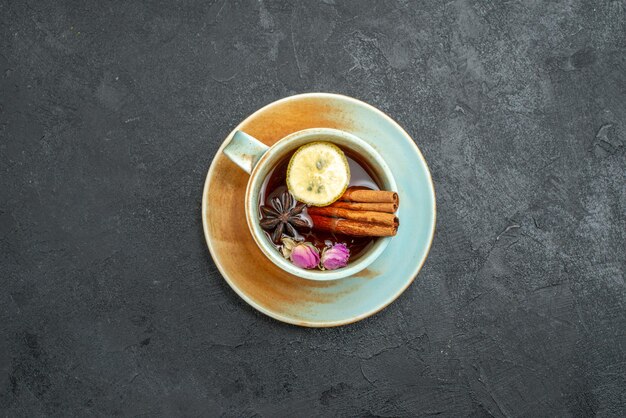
x=305, y=256
x=335, y=257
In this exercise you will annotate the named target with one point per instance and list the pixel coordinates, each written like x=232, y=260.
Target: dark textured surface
x=110, y=113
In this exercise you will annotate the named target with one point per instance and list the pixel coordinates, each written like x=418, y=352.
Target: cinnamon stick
x=381, y=218
x=374, y=206
x=353, y=228
x=355, y=194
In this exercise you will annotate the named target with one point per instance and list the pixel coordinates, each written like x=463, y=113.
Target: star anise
x=283, y=215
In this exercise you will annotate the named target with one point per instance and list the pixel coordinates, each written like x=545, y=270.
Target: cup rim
x=257, y=233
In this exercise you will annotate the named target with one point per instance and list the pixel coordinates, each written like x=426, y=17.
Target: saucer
x=289, y=298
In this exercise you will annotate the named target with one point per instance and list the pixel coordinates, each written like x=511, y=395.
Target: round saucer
x=304, y=302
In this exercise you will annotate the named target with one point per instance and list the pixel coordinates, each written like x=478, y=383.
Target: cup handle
x=245, y=150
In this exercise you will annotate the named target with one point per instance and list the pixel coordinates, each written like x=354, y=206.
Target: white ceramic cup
x=258, y=160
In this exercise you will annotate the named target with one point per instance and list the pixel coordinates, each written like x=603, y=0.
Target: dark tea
x=322, y=208
x=275, y=195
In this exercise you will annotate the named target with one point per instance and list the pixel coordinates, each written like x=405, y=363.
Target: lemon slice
x=318, y=173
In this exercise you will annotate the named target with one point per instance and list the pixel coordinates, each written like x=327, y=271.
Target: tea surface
x=275, y=185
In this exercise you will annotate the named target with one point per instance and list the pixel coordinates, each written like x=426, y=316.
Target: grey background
x=110, y=114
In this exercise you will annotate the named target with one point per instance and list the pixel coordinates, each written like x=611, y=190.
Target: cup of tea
x=283, y=222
